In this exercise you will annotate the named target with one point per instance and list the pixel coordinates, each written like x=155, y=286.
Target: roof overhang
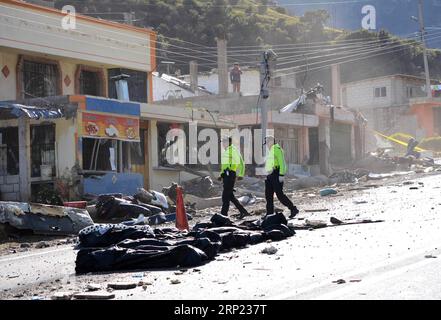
x=15, y=110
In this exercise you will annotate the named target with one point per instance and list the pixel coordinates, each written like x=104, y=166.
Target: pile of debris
x=43, y=219
x=145, y=207
x=105, y=248
x=201, y=187
x=381, y=162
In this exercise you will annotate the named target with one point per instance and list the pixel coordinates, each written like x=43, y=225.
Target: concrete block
x=12, y=179
x=5, y=188
x=16, y=187
x=2, y=180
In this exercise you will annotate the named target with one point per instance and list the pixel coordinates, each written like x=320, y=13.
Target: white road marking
x=33, y=255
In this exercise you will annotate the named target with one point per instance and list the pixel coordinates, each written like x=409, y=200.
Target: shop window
x=9, y=161
x=39, y=79
x=105, y=155
x=380, y=92
x=43, y=151
x=137, y=83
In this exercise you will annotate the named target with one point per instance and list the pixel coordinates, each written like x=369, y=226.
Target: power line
x=360, y=54
x=343, y=62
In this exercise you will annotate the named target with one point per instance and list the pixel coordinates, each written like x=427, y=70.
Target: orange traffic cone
x=181, y=215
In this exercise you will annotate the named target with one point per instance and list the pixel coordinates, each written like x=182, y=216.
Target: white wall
x=65, y=138
x=8, y=85
x=249, y=83
x=41, y=31
x=360, y=95
x=163, y=89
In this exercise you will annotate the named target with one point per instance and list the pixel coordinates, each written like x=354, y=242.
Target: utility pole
x=423, y=41
x=222, y=66
x=265, y=77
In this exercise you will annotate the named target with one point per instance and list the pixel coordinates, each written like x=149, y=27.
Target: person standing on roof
x=235, y=77
x=276, y=168
x=232, y=167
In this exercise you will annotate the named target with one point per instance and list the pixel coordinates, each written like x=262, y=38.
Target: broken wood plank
x=102, y=295
x=122, y=285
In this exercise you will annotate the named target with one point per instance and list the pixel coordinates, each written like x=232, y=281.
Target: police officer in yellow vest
x=232, y=167
x=276, y=168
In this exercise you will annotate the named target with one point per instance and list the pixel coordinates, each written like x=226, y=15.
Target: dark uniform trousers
x=228, y=194
x=273, y=185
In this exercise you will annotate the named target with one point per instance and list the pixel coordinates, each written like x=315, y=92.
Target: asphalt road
x=395, y=259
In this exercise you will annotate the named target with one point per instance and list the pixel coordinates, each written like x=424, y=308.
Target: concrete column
x=194, y=75
x=336, y=85
x=303, y=143
x=324, y=146
x=24, y=158
x=222, y=66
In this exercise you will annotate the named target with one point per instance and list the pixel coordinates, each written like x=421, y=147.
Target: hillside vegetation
x=255, y=23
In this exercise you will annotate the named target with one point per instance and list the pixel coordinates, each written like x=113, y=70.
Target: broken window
x=39, y=79
x=99, y=154
x=163, y=129
x=106, y=155
x=137, y=83
x=90, y=83
x=380, y=92
x=43, y=151
x=9, y=162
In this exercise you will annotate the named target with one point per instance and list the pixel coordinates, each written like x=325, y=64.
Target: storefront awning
x=18, y=110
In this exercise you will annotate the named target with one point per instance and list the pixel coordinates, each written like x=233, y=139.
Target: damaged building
x=392, y=104
x=76, y=115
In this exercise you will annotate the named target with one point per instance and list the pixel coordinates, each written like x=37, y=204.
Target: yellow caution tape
x=391, y=138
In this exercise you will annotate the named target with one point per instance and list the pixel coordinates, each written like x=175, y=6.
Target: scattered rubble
x=339, y=281
x=336, y=221
x=269, y=250
x=93, y=287
x=327, y=192
x=62, y=296
x=41, y=245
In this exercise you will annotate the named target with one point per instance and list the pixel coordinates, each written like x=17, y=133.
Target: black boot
x=294, y=213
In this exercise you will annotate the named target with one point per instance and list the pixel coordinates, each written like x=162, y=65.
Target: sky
x=391, y=15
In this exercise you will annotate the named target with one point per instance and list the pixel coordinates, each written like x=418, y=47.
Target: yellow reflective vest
x=232, y=160
x=276, y=160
